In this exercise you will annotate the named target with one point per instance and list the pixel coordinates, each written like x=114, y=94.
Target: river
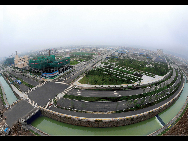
x=8, y=92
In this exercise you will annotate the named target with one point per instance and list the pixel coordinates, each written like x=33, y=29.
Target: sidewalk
x=21, y=94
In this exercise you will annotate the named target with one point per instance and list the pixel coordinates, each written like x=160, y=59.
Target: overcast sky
x=29, y=27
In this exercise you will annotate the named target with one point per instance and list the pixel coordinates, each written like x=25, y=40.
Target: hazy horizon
x=27, y=27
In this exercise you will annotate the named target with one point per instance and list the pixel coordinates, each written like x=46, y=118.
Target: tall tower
x=16, y=60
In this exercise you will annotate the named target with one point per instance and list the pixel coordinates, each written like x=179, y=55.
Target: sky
x=27, y=27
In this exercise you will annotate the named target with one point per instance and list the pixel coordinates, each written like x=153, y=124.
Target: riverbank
x=181, y=127
x=171, y=123
x=15, y=96
x=19, y=130
x=3, y=100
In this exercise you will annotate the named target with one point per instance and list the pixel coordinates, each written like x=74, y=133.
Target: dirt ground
x=18, y=130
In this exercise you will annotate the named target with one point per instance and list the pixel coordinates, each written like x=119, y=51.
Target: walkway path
x=21, y=94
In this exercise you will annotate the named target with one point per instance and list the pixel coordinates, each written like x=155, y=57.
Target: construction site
x=49, y=66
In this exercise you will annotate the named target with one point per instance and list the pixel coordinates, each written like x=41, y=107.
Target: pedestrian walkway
x=77, y=83
x=21, y=94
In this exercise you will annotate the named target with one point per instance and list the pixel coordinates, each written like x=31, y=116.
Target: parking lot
x=27, y=80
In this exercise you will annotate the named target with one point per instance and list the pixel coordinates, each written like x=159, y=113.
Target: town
x=91, y=86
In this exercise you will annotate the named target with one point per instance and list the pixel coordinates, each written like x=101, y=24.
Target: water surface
x=8, y=91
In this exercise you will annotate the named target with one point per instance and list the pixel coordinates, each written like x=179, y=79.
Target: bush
x=137, y=106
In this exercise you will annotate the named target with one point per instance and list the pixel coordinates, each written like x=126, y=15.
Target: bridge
x=27, y=107
x=160, y=120
x=20, y=111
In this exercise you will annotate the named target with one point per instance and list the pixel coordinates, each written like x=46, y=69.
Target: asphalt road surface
x=48, y=91
x=19, y=110
x=27, y=80
x=116, y=115
x=82, y=67
x=96, y=93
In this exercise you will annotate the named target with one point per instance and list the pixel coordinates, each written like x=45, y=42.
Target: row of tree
x=156, y=68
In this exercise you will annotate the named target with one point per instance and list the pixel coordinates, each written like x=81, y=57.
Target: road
x=83, y=67
x=17, y=111
x=96, y=93
x=48, y=91
x=116, y=115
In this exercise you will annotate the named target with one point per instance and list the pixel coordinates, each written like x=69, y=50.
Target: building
x=49, y=66
x=159, y=52
x=159, y=59
x=20, y=62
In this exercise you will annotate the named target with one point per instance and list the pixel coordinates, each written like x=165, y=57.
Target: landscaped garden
x=123, y=71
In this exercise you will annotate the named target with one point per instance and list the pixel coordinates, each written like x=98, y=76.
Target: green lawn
x=75, y=62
